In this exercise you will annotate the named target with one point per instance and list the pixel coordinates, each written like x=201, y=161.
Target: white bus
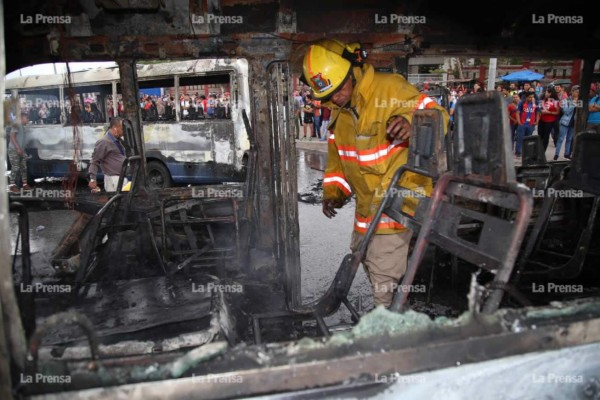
x=188, y=140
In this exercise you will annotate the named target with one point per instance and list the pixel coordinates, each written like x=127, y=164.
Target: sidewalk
x=313, y=145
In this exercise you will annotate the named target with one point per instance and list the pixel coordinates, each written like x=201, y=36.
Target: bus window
x=42, y=105
x=210, y=93
x=109, y=105
x=87, y=104
x=157, y=99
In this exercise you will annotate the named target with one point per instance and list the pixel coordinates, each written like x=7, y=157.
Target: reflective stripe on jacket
x=361, y=160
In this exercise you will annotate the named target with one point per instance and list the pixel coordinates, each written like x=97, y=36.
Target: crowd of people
x=549, y=111
x=43, y=113
x=154, y=108
x=311, y=116
x=192, y=107
x=50, y=113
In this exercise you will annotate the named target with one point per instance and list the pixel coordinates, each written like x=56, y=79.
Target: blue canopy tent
x=151, y=91
x=523, y=75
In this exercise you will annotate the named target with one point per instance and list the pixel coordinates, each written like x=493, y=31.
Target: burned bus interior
x=195, y=291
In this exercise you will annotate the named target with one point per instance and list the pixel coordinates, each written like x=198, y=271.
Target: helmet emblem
x=319, y=82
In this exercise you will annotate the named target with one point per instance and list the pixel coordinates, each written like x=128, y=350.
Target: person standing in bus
x=108, y=155
x=17, y=155
x=212, y=105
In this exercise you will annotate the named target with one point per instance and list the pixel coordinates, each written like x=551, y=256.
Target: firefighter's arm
x=336, y=189
x=399, y=124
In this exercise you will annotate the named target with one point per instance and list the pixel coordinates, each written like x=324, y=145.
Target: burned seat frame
x=104, y=221
x=482, y=173
x=582, y=176
x=426, y=157
x=536, y=172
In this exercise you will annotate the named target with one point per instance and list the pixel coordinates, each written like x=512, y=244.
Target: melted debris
x=559, y=309
x=379, y=322
x=314, y=195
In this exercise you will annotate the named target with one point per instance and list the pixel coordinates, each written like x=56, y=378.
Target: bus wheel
x=158, y=175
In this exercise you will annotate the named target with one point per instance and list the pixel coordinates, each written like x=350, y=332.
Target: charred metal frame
x=26, y=300
x=427, y=157
x=482, y=172
x=536, y=172
x=322, y=365
x=581, y=175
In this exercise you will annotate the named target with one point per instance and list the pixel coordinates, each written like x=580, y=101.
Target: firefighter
x=370, y=125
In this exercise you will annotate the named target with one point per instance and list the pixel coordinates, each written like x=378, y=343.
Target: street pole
x=492, y=74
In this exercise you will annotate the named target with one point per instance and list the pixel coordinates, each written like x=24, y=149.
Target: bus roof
x=145, y=71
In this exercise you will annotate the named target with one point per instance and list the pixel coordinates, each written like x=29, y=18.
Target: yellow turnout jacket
x=361, y=160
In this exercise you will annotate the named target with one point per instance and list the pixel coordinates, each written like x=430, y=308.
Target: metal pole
x=129, y=91
x=177, y=102
x=492, y=74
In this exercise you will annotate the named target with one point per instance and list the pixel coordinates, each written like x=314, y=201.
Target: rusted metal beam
x=12, y=336
x=260, y=122
x=284, y=178
x=129, y=90
x=72, y=236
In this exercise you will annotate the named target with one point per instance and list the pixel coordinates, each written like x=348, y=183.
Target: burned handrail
x=87, y=251
x=63, y=318
x=28, y=311
x=123, y=172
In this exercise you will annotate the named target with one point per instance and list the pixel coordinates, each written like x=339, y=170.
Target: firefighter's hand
x=398, y=128
x=329, y=207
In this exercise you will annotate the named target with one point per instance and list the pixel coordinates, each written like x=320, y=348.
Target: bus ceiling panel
x=270, y=27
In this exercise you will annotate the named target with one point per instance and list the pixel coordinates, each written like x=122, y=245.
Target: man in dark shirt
x=109, y=155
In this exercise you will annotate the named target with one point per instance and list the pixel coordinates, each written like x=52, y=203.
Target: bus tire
x=159, y=176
